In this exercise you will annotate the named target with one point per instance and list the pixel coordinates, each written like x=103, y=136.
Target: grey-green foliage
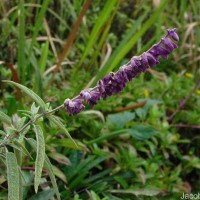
x=5, y=118
x=13, y=177
x=29, y=92
x=40, y=156
x=48, y=166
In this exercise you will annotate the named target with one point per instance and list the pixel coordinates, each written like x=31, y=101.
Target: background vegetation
x=140, y=144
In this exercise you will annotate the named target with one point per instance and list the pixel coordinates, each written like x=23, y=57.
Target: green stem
x=17, y=133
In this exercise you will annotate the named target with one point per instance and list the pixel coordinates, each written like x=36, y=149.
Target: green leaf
x=48, y=166
x=43, y=58
x=29, y=92
x=44, y=195
x=37, y=25
x=94, y=196
x=2, y=133
x=59, y=173
x=142, y=132
x=40, y=156
x=34, y=109
x=138, y=192
x=21, y=42
x=20, y=123
x=27, y=180
x=120, y=119
x=108, y=136
x=60, y=158
x=5, y=118
x=52, y=176
x=93, y=112
x=55, y=120
x=103, y=17
x=23, y=148
x=66, y=142
x=13, y=177
x=14, y=146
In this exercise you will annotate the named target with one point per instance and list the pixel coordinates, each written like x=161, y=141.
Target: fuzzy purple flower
x=172, y=33
x=115, y=82
x=90, y=96
x=74, y=106
x=105, y=86
x=119, y=80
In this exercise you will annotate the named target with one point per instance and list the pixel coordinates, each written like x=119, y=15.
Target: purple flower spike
x=91, y=96
x=128, y=69
x=135, y=65
x=145, y=62
x=159, y=50
x=119, y=81
x=169, y=44
x=105, y=86
x=74, y=106
x=172, y=33
x=115, y=82
x=152, y=61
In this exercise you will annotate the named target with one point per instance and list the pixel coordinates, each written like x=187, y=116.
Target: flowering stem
x=31, y=121
x=114, y=82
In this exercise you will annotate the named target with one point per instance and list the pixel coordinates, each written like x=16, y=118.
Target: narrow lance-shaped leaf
x=21, y=42
x=37, y=25
x=13, y=177
x=29, y=92
x=40, y=156
x=55, y=120
x=5, y=118
x=43, y=59
x=48, y=166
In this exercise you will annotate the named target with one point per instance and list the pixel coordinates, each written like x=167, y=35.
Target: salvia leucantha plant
x=15, y=131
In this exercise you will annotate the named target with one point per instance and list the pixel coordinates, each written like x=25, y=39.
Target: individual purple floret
x=119, y=80
x=74, y=106
x=91, y=96
x=172, y=33
x=105, y=86
x=115, y=82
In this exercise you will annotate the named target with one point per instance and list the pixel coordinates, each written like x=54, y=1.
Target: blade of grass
x=103, y=17
x=84, y=171
x=43, y=58
x=104, y=36
x=108, y=136
x=37, y=25
x=13, y=9
x=21, y=43
x=36, y=78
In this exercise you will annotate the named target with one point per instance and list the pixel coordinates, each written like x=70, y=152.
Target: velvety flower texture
x=115, y=82
x=74, y=106
x=91, y=96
